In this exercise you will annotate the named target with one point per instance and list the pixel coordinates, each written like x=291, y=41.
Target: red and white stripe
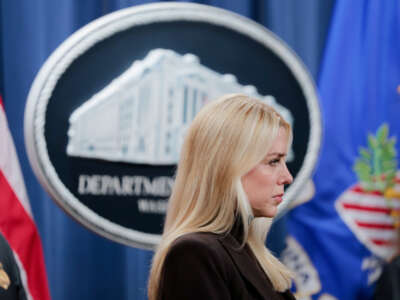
x=368, y=215
x=16, y=221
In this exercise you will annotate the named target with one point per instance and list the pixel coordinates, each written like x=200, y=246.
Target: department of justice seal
x=107, y=113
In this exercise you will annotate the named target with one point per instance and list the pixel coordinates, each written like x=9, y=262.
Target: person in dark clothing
x=229, y=182
x=388, y=285
x=11, y=287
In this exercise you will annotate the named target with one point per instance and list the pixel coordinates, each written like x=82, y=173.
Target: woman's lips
x=278, y=198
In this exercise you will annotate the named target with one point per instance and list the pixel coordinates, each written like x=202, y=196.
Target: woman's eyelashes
x=274, y=162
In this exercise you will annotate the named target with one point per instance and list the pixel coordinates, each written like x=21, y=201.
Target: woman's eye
x=274, y=162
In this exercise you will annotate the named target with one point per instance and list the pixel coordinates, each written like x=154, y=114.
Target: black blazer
x=10, y=280
x=387, y=286
x=209, y=266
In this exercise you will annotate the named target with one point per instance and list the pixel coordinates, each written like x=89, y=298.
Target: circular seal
x=106, y=114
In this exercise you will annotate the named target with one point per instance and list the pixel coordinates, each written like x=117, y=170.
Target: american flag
x=16, y=220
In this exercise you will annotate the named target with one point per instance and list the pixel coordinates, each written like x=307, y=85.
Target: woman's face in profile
x=264, y=184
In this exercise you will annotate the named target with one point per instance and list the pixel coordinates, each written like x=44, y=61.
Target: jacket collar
x=247, y=264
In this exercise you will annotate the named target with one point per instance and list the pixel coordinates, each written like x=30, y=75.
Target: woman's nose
x=286, y=177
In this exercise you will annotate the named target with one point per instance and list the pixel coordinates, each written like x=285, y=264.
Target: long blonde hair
x=226, y=140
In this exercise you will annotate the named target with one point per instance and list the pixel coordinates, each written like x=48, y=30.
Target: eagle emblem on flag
x=371, y=207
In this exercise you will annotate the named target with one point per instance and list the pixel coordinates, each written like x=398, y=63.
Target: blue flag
x=340, y=238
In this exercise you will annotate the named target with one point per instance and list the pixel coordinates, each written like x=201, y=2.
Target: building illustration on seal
x=142, y=115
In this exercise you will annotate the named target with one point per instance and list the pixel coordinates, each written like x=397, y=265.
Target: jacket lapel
x=247, y=265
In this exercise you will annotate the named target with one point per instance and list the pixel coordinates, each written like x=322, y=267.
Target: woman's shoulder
x=206, y=240
x=200, y=251
x=197, y=245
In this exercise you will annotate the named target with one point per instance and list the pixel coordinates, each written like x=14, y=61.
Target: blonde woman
x=229, y=182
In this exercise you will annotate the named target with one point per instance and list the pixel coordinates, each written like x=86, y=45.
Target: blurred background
x=350, y=49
